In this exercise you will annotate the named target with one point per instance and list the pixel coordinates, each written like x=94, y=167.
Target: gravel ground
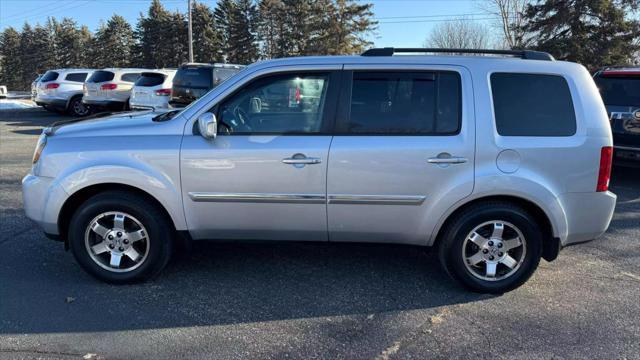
x=242, y=300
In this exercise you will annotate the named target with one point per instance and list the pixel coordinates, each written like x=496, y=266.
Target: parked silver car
x=496, y=161
x=61, y=90
x=110, y=89
x=152, y=89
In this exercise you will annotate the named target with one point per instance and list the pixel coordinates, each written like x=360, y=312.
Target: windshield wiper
x=166, y=116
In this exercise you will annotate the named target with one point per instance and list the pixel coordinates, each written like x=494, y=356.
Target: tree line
x=594, y=33
x=235, y=31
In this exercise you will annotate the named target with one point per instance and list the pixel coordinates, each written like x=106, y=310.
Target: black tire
x=450, y=246
x=159, y=242
x=74, y=110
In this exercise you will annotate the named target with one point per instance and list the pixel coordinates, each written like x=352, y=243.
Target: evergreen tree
x=592, y=32
x=175, y=42
x=112, y=45
x=71, y=44
x=151, y=33
x=243, y=46
x=223, y=17
x=10, y=59
x=207, y=42
x=37, y=51
x=271, y=28
x=349, y=23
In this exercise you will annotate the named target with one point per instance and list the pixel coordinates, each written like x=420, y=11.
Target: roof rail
x=524, y=54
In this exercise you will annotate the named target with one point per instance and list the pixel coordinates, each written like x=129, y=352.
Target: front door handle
x=447, y=160
x=301, y=159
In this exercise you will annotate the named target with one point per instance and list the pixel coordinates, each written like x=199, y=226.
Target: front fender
x=158, y=185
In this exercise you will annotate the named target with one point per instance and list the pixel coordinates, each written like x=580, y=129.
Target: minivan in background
x=620, y=90
x=194, y=80
x=152, y=89
x=61, y=90
x=110, y=89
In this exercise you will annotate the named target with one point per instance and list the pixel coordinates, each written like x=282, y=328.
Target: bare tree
x=459, y=34
x=510, y=19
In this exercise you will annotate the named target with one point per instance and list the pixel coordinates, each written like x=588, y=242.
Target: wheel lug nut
x=499, y=245
x=119, y=234
x=490, y=243
x=110, y=237
x=491, y=257
x=111, y=246
x=500, y=253
x=125, y=241
x=121, y=248
x=484, y=251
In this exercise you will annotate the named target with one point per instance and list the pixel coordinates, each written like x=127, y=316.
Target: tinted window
x=100, y=76
x=150, y=79
x=77, y=77
x=49, y=76
x=532, y=105
x=196, y=77
x=278, y=104
x=619, y=90
x=130, y=77
x=426, y=103
x=223, y=74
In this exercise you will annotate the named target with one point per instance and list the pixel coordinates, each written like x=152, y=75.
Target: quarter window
x=76, y=77
x=130, y=77
x=279, y=104
x=532, y=105
x=405, y=103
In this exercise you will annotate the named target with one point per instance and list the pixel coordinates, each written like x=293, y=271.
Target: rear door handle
x=301, y=159
x=447, y=160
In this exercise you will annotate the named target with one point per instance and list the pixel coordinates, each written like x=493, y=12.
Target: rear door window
x=532, y=105
x=195, y=77
x=49, y=76
x=100, y=76
x=404, y=103
x=130, y=77
x=76, y=77
x=150, y=79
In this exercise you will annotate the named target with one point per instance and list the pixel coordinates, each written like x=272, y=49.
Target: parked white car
x=3, y=92
x=110, y=89
x=152, y=90
x=61, y=90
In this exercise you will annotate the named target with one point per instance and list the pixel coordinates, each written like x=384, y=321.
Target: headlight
x=42, y=142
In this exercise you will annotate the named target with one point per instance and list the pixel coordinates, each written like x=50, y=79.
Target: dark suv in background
x=194, y=80
x=620, y=90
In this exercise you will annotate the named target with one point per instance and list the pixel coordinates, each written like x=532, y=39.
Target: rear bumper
x=104, y=104
x=52, y=102
x=626, y=155
x=588, y=215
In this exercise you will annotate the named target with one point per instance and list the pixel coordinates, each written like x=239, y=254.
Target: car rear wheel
x=491, y=247
x=120, y=237
x=78, y=108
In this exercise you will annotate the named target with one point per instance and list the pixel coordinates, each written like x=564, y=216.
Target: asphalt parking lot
x=308, y=300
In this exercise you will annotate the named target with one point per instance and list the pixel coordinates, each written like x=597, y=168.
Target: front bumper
x=588, y=215
x=43, y=199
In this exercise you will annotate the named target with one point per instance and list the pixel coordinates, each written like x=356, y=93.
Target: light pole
x=190, y=34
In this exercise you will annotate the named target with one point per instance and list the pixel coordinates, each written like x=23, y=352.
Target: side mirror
x=208, y=125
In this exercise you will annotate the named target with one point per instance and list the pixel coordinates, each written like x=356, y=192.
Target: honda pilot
x=496, y=161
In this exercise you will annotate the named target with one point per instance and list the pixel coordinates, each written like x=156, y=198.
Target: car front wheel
x=120, y=237
x=491, y=247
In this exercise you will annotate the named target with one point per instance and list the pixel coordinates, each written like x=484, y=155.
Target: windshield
x=230, y=80
x=619, y=90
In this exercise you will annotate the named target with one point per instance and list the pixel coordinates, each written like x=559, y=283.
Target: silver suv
x=496, y=161
x=61, y=90
x=110, y=89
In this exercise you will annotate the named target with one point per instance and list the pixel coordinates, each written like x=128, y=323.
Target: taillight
x=604, y=174
x=108, y=86
x=52, y=86
x=163, y=92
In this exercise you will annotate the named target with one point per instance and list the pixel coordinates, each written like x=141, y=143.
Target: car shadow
x=221, y=283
